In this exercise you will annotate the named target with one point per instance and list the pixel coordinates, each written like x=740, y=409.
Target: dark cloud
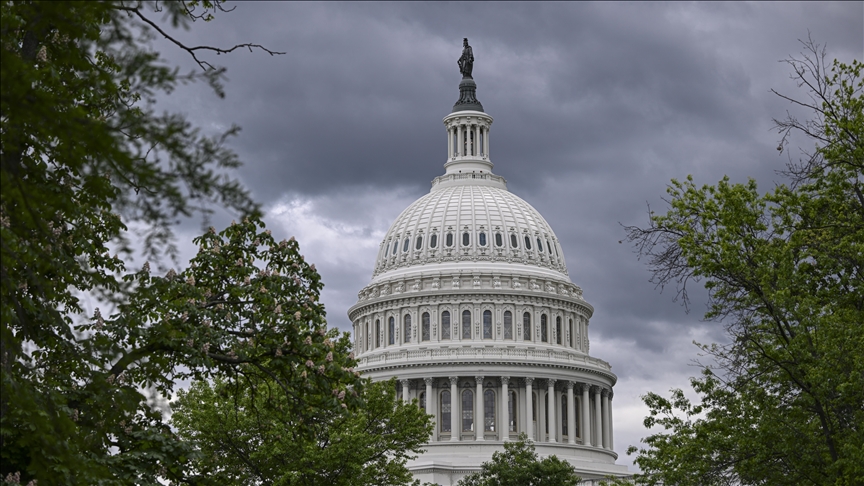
x=596, y=105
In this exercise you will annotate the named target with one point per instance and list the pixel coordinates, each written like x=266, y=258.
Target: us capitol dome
x=472, y=308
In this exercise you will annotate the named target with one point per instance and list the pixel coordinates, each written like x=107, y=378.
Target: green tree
x=85, y=157
x=783, y=402
x=519, y=465
x=246, y=436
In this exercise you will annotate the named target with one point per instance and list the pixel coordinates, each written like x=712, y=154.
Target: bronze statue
x=466, y=61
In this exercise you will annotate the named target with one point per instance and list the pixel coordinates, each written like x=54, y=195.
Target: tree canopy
x=783, y=402
x=87, y=165
x=519, y=465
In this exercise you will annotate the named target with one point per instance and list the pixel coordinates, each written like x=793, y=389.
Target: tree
x=84, y=157
x=246, y=437
x=519, y=465
x=784, y=401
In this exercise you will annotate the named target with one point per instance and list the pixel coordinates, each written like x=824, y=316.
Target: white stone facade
x=472, y=309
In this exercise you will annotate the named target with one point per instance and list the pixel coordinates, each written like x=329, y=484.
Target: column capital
x=405, y=382
x=596, y=389
x=529, y=380
x=428, y=381
x=551, y=382
x=605, y=392
x=505, y=380
x=570, y=385
x=453, y=379
x=611, y=394
x=479, y=379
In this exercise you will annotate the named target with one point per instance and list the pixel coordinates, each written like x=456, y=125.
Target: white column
x=405, y=388
x=598, y=418
x=529, y=409
x=486, y=143
x=479, y=418
x=586, y=416
x=571, y=414
x=460, y=146
x=606, y=418
x=476, y=140
x=430, y=407
x=455, y=413
x=550, y=410
x=611, y=429
x=504, y=423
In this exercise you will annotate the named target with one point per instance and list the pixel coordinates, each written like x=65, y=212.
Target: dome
x=472, y=220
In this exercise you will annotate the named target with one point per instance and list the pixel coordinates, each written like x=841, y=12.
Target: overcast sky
x=596, y=107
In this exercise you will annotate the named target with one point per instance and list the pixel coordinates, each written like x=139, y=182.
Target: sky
x=596, y=107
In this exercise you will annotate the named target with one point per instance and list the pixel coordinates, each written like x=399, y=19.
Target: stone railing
x=467, y=176
x=513, y=355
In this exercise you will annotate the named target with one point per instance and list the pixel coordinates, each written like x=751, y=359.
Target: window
x=377, y=333
x=557, y=330
x=572, y=336
x=419, y=243
x=556, y=252
x=482, y=238
x=526, y=326
x=489, y=411
x=433, y=240
x=391, y=328
x=513, y=242
x=544, y=333
x=508, y=325
x=445, y=325
x=527, y=242
x=576, y=414
x=449, y=240
x=467, y=410
x=386, y=249
x=548, y=247
x=563, y=415
x=547, y=413
x=539, y=245
x=466, y=324
x=511, y=411
x=426, y=331
x=368, y=337
x=445, y=411
x=466, y=238
x=405, y=245
x=487, y=324
x=422, y=401
x=534, y=408
x=395, y=247
x=498, y=240
x=407, y=328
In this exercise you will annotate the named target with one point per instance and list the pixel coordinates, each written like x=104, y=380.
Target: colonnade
x=464, y=139
x=480, y=408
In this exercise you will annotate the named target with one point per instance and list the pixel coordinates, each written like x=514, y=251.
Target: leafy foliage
x=519, y=465
x=785, y=272
x=84, y=158
x=248, y=435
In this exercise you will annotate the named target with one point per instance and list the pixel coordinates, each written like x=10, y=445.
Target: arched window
x=407, y=328
x=546, y=409
x=527, y=242
x=482, y=238
x=511, y=411
x=445, y=411
x=508, y=325
x=556, y=251
x=558, y=330
x=563, y=415
x=572, y=336
x=467, y=410
x=445, y=325
x=487, y=324
x=544, y=332
x=368, y=338
x=548, y=247
x=449, y=240
x=395, y=246
x=466, y=239
x=386, y=249
x=526, y=326
x=499, y=241
x=513, y=241
x=534, y=408
x=489, y=411
x=391, y=328
x=377, y=333
x=466, y=324
x=405, y=245
x=433, y=240
x=539, y=245
x=421, y=400
x=577, y=412
x=426, y=331
x=419, y=243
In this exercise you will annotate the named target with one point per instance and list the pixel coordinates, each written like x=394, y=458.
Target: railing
x=466, y=176
x=494, y=353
